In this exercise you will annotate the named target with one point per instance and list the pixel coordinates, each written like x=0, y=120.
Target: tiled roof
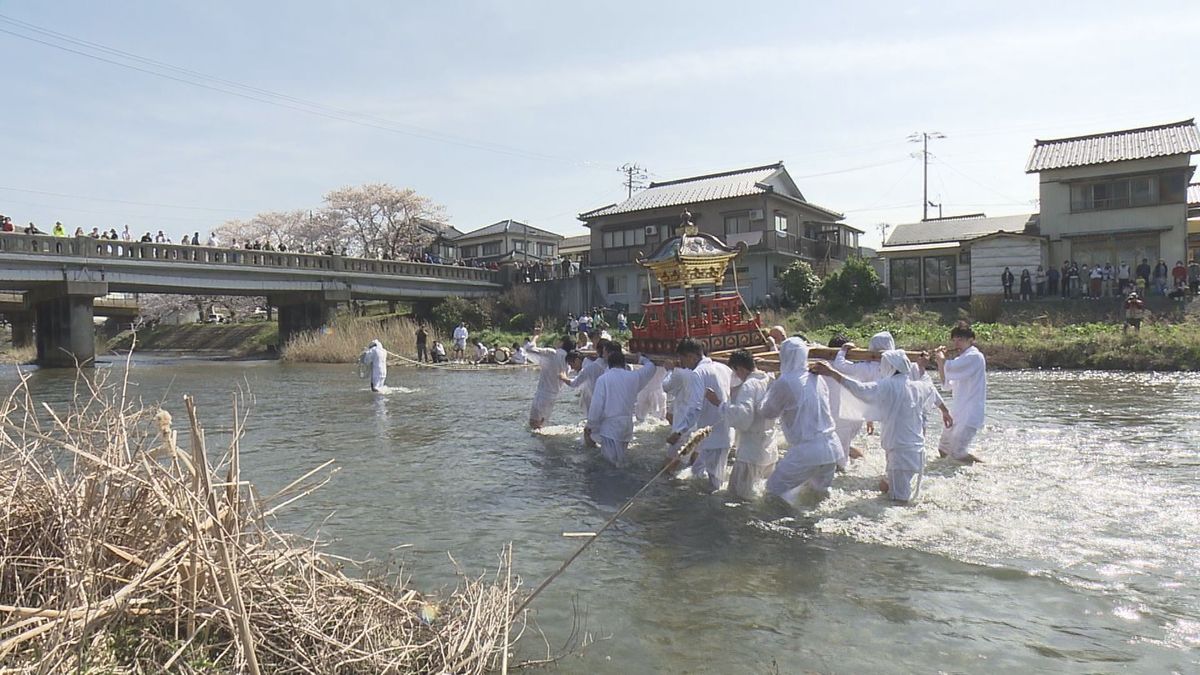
x=692, y=190
x=1193, y=195
x=956, y=229
x=508, y=226
x=1177, y=138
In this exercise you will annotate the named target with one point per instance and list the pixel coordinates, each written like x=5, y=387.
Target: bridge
x=62, y=276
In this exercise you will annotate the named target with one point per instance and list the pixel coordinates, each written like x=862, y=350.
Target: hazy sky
x=525, y=109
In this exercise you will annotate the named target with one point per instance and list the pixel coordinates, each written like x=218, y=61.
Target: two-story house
x=760, y=206
x=508, y=240
x=1120, y=195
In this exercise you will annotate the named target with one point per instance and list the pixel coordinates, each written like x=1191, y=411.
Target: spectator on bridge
x=32, y=229
x=195, y=239
x=6, y=224
x=79, y=232
x=283, y=247
x=126, y=235
x=59, y=230
x=186, y=240
x=160, y=238
x=112, y=233
x=147, y=239
x=212, y=240
x=95, y=233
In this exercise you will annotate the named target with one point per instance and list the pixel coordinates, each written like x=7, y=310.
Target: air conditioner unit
x=651, y=230
x=756, y=214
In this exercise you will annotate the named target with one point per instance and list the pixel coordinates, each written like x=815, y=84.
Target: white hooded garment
x=610, y=416
x=375, y=358
x=801, y=402
x=717, y=377
x=683, y=385
x=901, y=403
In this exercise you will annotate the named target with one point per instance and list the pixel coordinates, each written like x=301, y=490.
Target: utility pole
x=883, y=231
x=634, y=175
x=923, y=137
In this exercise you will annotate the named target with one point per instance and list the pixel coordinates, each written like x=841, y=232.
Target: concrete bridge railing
x=89, y=248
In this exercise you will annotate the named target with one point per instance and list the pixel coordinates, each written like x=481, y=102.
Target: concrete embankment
x=257, y=338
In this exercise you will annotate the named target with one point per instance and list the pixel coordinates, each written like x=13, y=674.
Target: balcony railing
x=89, y=248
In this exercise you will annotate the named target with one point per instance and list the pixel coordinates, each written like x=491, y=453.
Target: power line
x=232, y=88
x=122, y=201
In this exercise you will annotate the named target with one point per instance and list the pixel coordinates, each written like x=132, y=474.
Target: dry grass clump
x=346, y=338
x=121, y=551
x=18, y=355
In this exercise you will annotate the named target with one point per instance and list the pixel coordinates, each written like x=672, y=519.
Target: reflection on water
x=1071, y=550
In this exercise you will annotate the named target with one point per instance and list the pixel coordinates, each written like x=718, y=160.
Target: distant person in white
x=966, y=376
x=552, y=365
x=687, y=397
x=900, y=404
x=460, y=340
x=610, y=417
x=374, y=357
x=801, y=402
x=756, y=453
x=712, y=455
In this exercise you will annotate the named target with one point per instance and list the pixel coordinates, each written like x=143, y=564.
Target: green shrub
x=449, y=312
x=800, y=284
x=854, y=287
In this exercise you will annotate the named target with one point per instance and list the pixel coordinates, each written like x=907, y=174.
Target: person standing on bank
x=1026, y=285
x=966, y=376
x=1006, y=280
x=422, y=344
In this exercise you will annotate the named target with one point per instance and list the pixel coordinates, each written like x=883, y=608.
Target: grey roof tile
x=956, y=229
x=693, y=190
x=1193, y=194
x=1177, y=138
x=507, y=226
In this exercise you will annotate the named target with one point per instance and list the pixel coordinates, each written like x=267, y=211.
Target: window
x=470, y=251
x=1173, y=188
x=940, y=275
x=492, y=248
x=519, y=245
x=904, y=276
x=545, y=250
x=781, y=223
x=634, y=236
x=737, y=224
x=1120, y=193
x=615, y=285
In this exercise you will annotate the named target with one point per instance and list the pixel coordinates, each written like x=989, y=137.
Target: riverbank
x=128, y=549
x=1034, y=335
x=239, y=340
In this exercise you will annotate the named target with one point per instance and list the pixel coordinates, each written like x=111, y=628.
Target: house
x=759, y=206
x=441, y=239
x=577, y=249
x=1119, y=195
x=950, y=258
x=509, y=240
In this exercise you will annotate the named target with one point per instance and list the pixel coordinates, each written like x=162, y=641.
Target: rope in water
x=683, y=452
x=454, y=366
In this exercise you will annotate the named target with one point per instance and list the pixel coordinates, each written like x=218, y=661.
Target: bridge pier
x=305, y=312
x=66, y=332
x=22, y=328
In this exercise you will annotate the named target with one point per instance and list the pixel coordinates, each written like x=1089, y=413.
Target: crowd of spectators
x=1075, y=280
x=531, y=271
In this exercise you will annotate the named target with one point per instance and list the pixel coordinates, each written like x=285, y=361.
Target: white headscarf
x=881, y=342
x=793, y=356
x=894, y=361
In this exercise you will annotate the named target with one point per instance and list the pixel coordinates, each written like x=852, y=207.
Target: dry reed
x=18, y=355
x=345, y=339
x=122, y=550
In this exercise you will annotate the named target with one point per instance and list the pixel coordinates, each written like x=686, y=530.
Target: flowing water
x=1074, y=549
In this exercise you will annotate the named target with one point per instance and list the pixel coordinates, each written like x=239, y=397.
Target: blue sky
x=525, y=109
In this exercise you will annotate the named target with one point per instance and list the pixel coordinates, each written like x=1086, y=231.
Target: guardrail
x=89, y=248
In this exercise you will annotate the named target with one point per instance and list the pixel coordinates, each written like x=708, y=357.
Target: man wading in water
x=966, y=376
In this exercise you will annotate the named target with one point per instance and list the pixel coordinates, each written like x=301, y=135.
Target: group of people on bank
x=1075, y=280
x=819, y=406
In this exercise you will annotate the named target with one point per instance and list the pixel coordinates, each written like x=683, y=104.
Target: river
x=1074, y=549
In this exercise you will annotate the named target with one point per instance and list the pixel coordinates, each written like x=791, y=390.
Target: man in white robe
x=801, y=401
x=460, y=340
x=652, y=400
x=756, y=453
x=590, y=371
x=966, y=376
x=687, y=397
x=850, y=420
x=712, y=455
x=552, y=364
x=610, y=417
x=374, y=357
x=900, y=404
